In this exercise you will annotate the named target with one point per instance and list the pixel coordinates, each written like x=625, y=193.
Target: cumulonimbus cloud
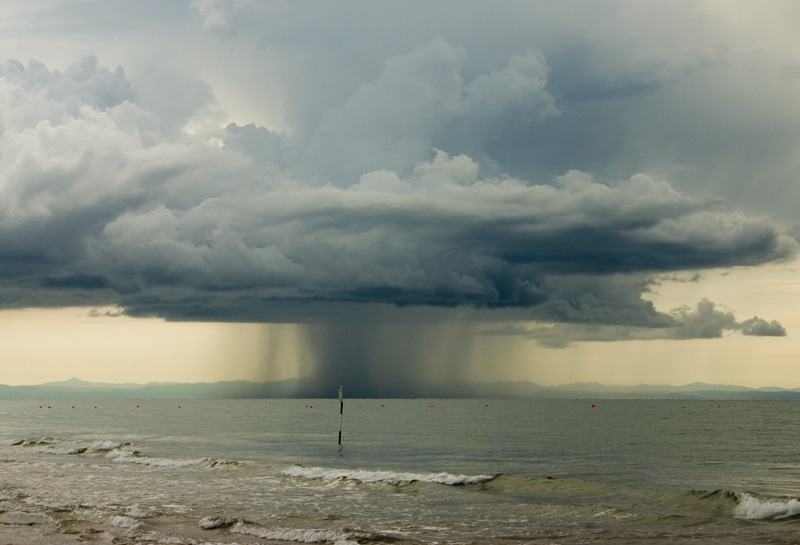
x=103, y=202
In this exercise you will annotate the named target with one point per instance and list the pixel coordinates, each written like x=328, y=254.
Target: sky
x=383, y=194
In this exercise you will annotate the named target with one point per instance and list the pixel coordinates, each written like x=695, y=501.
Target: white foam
x=61, y=451
x=102, y=446
x=139, y=512
x=51, y=445
x=212, y=523
x=35, y=441
x=298, y=535
x=388, y=477
x=121, y=521
x=753, y=508
x=133, y=457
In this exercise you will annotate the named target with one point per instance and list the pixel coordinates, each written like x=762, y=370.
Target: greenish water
x=416, y=471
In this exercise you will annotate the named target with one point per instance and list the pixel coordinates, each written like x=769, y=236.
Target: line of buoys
x=485, y=405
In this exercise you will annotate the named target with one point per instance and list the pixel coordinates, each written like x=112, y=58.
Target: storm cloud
x=444, y=175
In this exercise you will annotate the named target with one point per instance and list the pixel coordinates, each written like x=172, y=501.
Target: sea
x=408, y=471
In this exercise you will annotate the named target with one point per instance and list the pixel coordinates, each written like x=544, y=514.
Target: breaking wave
x=386, y=477
x=752, y=507
x=742, y=505
x=298, y=535
x=118, y=452
x=301, y=535
x=135, y=457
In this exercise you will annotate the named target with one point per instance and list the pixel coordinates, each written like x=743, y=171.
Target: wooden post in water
x=341, y=414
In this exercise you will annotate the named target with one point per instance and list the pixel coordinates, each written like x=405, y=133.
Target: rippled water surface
x=416, y=471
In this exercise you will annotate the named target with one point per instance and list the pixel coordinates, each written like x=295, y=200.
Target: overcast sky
x=387, y=192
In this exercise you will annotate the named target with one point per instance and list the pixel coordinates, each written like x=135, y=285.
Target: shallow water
x=416, y=471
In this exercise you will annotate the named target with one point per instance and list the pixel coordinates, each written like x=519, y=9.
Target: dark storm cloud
x=105, y=200
x=497, y=243
x=759, y=327
x=78, y=280
x=704, y=321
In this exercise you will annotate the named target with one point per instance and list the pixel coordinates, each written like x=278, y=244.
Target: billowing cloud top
x=411, y=190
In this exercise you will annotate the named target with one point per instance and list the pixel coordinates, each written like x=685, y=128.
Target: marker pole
x=341, y=414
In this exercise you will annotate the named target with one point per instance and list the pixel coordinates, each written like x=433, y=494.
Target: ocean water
x=409, y=471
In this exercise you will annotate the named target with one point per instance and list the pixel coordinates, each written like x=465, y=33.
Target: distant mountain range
x=301, y=388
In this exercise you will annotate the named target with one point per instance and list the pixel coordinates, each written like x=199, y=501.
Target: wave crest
x=385, y=477
x=119, y=452
x=213, y=523
x=751, y=507
x=300, y=535
x=135, y=457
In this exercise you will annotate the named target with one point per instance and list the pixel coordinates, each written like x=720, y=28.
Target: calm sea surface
x=409, y=471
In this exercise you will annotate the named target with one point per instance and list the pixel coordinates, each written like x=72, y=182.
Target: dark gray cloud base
x=105, y=200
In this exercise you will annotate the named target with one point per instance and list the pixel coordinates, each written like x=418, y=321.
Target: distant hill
x=79, y=389
x=302, y=388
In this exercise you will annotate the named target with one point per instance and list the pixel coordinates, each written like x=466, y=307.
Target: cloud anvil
x=101, y=197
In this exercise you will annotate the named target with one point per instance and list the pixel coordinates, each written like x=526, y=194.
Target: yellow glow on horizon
x=44, y=345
